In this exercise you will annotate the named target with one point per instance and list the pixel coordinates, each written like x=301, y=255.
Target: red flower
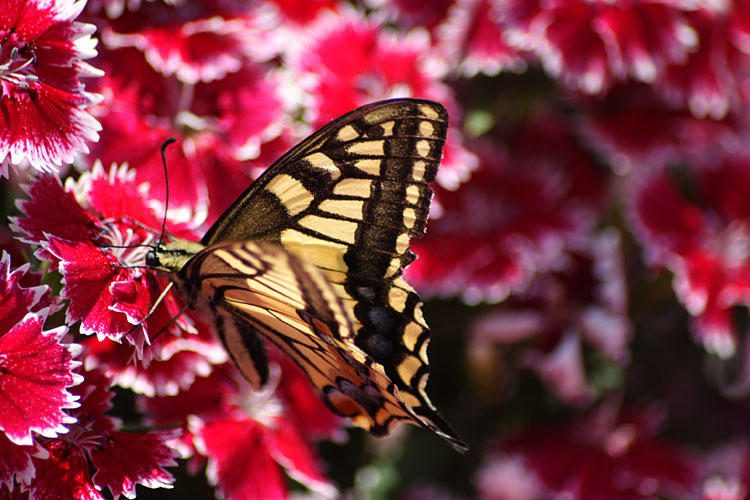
x=121, y=459
x=16, y=465
x=36, y=368
x=511, y=219
x=108, y=291
x=128, y=459
x=245, y=457
x=194, y=74
x=200, y=44
x=205, y=397
x=472, y=40
x=710, y=83
x=704, y=245
x=634, y=128
x=21, y=292
x=175, y=363
x=590, y=45
x=65, y=472
x=302, y=12
x=96, y=279
x=349, y=61
x=249, y=439
x=219, y=124
x=42, y=102
x=413, y=13
x=608, y=454
x=582, y=302
x=55, y=211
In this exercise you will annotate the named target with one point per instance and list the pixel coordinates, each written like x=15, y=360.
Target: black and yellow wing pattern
x=311, y=257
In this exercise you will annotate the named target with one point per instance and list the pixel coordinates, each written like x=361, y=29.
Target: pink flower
x=413, y=13
x=472, y=40
x=36, y=367
x=606, y=454
x=634, y=128
x=105, y=294
x=711, y=82
x=348, y=61
x=121, y=459
x=218, y=124
x=704, y=245
x=583, y=302
x=591, y=45
x=201, y=44
x=513, y=218
x=176, y=362
x=250, y=439
x=727, y=472
x=507, y=478
x=718, y=489
x=42, y=101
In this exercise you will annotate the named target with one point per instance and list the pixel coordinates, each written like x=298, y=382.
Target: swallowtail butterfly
x=310, y=257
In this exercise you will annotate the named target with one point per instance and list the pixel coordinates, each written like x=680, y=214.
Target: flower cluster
x=589, y=245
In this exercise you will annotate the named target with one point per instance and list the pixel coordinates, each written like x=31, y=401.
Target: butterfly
x=310, y=257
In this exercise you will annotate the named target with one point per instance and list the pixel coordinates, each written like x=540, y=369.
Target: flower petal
x=87, y=274
x=43, y=118
x=64, y=475
x=16, y=465
x=52, y=210
x=472, y=40
x=36, y=370
x=129, y=459
x=239, y=462
x=288, y=448
x=16, y=299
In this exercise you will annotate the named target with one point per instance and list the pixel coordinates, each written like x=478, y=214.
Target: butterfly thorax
x=172, y=257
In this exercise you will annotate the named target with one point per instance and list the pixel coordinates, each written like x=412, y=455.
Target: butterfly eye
x=152, y=260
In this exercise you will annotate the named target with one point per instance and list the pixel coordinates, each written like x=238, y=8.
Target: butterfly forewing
x=348, y=199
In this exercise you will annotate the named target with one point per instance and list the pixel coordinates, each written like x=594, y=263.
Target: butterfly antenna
x=171, y=322
x=166, y=186
x=151, y=311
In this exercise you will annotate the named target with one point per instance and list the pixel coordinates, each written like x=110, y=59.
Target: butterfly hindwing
x=273, y=293
x=348, y=199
